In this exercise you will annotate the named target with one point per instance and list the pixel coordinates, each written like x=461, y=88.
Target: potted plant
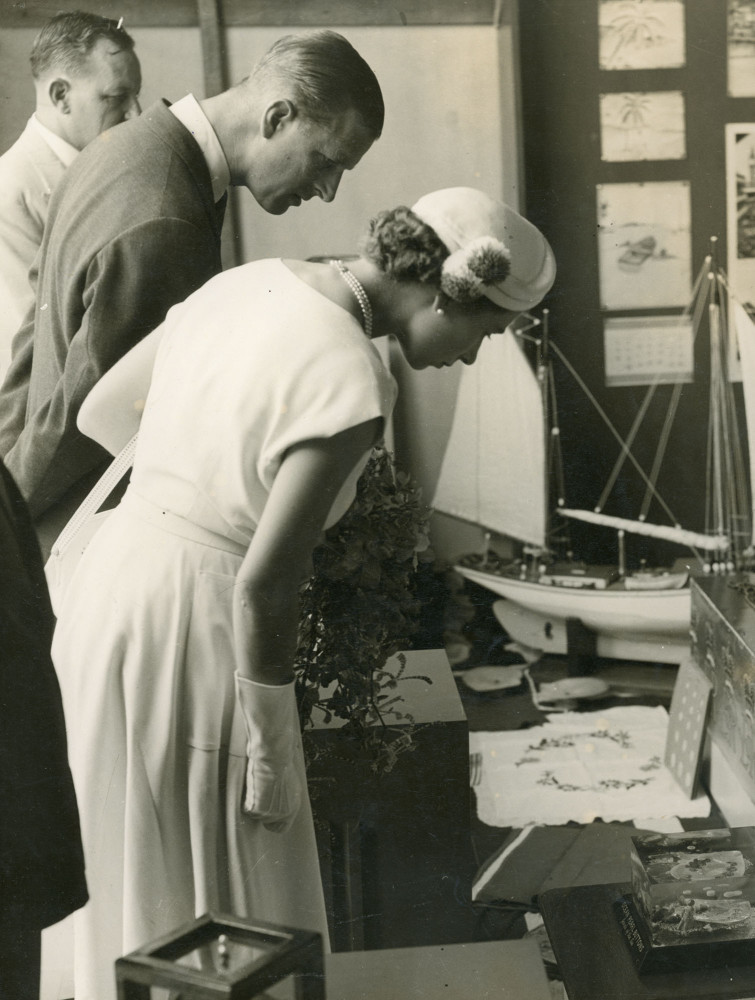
x=359, y=609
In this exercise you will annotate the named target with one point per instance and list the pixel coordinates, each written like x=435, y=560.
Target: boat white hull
x=649, y=625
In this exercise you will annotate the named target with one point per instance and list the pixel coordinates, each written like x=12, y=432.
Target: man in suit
x=86, y=78
x=134, y=227
x=41, y=856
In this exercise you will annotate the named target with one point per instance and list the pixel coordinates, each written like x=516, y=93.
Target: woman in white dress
x=176, y=637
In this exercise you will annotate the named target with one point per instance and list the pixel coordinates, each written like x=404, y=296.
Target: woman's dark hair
x=329, y=75
x=68, y=38
x=404, y=247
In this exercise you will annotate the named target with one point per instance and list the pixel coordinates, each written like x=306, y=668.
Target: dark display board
x=565, y=97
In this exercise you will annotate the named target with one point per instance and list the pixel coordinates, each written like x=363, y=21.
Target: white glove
x=273, y=787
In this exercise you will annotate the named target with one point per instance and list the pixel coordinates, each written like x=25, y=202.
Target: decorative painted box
x=691, y=904
x=722, y=634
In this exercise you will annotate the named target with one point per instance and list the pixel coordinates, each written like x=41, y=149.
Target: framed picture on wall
x=641, y=34
x=644, y=248
x=740, y=223
x=741, y=48
x=740, y=209
x=642, y=126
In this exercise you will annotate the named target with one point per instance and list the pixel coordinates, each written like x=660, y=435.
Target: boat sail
x=498, y=487
x=504, y=453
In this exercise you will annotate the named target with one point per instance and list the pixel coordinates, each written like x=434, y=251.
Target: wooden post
x=215, y=81
x=208, y=13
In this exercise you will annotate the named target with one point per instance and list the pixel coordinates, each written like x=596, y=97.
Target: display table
x=595, y=963
x=395, y=850
x=494, y=969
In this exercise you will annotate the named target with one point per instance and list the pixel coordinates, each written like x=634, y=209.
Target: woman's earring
x=440, y=310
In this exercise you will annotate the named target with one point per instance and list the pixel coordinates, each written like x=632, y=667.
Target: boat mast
x=543, y=378
x=556, y=534
x=728, y=497
x=717, y=484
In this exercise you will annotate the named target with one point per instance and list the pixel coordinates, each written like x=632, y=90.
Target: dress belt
x=174, y=524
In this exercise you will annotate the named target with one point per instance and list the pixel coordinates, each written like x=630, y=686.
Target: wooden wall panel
x=136, y=13
x=247, y=13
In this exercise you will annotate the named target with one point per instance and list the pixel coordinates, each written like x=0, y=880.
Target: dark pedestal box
x=395, y=850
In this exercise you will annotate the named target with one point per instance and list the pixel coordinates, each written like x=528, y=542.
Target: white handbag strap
x=98, y=494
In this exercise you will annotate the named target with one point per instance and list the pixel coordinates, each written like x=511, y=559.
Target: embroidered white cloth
x=580, y=766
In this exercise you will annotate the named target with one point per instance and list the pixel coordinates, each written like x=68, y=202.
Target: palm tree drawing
x=633, y=26
x=632, y=115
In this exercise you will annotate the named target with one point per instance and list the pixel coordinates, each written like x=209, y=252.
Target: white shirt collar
x=191, y=116
x=64, y=151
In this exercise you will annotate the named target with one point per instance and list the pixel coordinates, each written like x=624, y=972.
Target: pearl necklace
x=361, y=296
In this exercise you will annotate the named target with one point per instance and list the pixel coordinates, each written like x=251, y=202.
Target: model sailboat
x=503, y=461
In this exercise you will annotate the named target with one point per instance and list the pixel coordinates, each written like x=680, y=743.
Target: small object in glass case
x=221, y=956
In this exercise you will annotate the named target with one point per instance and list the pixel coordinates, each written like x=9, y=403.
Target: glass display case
x=223, y=956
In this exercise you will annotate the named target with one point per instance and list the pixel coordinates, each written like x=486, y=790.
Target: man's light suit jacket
x=29, y=172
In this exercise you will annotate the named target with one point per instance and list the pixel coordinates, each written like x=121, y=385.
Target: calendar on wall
x=641, y=350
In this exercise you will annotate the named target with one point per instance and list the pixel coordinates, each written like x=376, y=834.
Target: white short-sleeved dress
x=252, y=363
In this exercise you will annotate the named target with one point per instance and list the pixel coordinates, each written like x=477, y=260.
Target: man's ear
x=276, y=116
x=59, y=91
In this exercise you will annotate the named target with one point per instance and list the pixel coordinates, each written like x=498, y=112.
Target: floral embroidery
x=621, y=737
x=526, y=760
x=549, y=779
x=654, y=764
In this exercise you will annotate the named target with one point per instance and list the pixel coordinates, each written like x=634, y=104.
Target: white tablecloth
x=580, y=766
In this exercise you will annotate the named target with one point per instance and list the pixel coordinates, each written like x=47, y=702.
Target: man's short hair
x=329, y=74
x=68, y=38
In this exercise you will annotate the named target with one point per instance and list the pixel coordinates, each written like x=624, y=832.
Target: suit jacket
x=132, y=230
x=41, y=857
x=29, y=172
